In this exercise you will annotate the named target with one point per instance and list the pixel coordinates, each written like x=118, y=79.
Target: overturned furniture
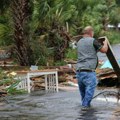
x=50, y=79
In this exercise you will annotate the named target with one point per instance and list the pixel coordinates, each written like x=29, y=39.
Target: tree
x=43, y=28
x=21, y=17
x=56, y=15
x=4, y=5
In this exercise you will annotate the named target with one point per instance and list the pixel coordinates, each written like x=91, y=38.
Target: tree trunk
x=20, y=10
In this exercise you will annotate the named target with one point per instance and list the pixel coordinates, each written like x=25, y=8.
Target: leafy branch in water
x=8, y=82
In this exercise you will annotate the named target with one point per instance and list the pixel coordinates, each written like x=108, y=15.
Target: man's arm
x=104, y=48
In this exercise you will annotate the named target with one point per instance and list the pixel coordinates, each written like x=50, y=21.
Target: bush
x=113, y=36
x=9, y=83
x=71, y=54
x=60, y=63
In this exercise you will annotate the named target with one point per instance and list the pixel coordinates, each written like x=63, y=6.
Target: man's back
x=87, y=55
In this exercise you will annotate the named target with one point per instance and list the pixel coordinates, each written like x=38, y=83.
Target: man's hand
x=105, y=45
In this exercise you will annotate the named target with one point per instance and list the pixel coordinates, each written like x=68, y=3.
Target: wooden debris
x=3, y=94
x=105, y=73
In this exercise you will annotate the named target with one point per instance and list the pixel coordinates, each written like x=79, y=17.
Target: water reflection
x=89, y=114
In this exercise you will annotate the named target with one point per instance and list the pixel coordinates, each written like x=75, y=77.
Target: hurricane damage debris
x=105, y=73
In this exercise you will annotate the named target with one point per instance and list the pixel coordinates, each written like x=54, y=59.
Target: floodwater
x=64, y=105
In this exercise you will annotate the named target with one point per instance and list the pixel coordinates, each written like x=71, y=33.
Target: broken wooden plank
x=105, y=73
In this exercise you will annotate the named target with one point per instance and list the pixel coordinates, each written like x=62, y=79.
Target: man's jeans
x=87, y=82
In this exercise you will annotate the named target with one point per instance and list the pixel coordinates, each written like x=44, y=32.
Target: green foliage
x=10, y=83
x=5, y=29
x=71, y=54
x=60, y=63
x=4, y=5
x=5, y=81
x=114, y=15
x=40, y=51
x=113, y=36
x=4, y=35
x=118, y=2
x=13, y=90
x=49, y=16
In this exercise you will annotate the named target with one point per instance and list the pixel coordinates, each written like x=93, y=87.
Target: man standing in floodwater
x=87, y=48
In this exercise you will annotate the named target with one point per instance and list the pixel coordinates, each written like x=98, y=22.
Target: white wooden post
x=56, y=76
x=46, y=83
x=54, y=82
x=28, y=82
x=51, y=82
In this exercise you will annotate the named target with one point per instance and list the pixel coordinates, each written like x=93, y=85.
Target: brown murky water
x=64, y=105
